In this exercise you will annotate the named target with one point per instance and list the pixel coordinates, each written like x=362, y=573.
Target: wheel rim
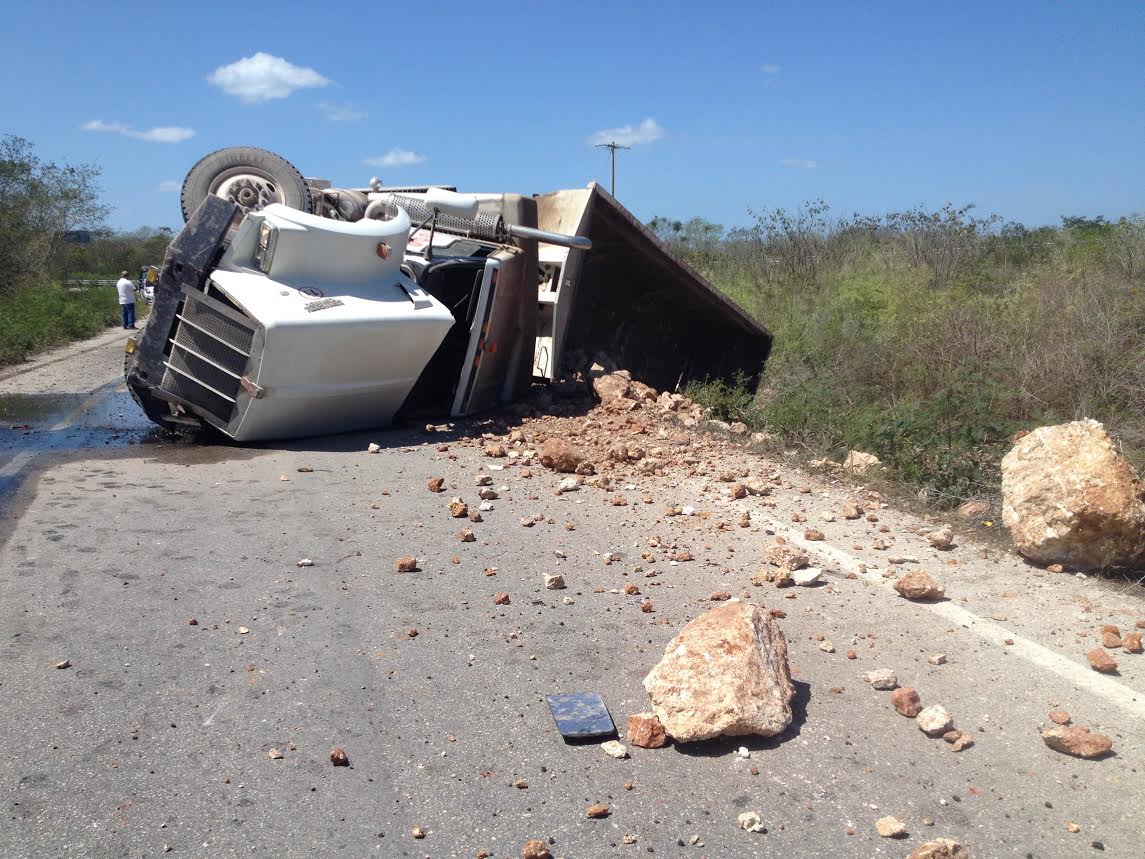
x=249, y=191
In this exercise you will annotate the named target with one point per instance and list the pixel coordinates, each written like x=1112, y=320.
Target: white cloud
x=770, y=68
x=396, y=157
x=169, y=185
x=159, y=134
x=262, y=77
x=800, y=163
x=629, y=135
x=340, y=112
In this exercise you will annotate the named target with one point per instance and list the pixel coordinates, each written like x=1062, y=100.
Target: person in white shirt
x=126, y=291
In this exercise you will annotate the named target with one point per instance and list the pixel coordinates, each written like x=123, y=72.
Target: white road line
x=17, y=463
x=1036, y=654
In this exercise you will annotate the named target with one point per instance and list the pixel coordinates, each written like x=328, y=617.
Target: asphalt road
x=157, y=738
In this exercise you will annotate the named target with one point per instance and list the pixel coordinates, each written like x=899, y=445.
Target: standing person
x=126, y=291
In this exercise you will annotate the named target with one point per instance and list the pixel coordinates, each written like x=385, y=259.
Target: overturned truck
x=287, y=308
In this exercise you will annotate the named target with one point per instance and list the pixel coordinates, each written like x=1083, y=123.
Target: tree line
x=53, y=223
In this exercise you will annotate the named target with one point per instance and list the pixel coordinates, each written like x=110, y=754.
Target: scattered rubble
x=941, y=848
x=750, y=821
x=614, y=749
x=725, y=673
x=646, y=732
x=906, y=702
x=786, y=556
x=597, y=811
x=958, y=740
x=934, y=721
x=338, y=757
x=858, y=463
x=407, y=564
x=536, y=849
x=554, y=582
x=561, y=455
x=920, y=585
x=436, y=484
x=807, y=577
x=63, y=663
x=1077, y=740
x=941, y=539
x=881, y=678
x=890, y=827
x=1070, y=497
x=1101, y=661
x=1131, y=643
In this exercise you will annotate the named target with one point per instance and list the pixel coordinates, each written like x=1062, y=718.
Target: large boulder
x=726, y=673
x=561, y=455
x=612, y=386
x=1069, y=497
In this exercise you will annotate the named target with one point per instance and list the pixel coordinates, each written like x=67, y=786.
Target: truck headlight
x=267, y=238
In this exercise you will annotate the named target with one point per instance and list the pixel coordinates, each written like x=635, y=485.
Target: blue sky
x=1029, y=109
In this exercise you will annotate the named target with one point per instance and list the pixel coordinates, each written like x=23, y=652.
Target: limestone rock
x=807, y=577
x=783, y=554
x=941, y=848
x=612, y=386
x=725, y=673
x=614, y=749
x=561, y=455
x=1077, y=740
x=890, y=827
x=750, y=821
x=920, y=585
x=646, y=732
x=857, y=462
x=941, y=539
x=934, y=721
x=1069, y=497
x=881, y=679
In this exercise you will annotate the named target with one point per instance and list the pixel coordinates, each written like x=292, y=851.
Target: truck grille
x=208, y=355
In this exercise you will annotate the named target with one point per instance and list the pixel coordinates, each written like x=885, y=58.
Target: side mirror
x=451, y=203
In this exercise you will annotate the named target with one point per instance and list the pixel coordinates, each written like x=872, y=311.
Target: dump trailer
x=287, y=308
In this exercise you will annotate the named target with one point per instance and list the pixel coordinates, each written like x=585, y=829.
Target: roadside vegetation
x=52, y=234
x=929, y=338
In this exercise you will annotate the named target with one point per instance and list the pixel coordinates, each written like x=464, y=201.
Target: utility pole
x=612, y=147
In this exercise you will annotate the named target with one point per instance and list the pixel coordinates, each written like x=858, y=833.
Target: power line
x=612, y=147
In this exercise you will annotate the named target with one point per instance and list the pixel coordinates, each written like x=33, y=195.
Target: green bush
x=38, y=317
x=928, y=339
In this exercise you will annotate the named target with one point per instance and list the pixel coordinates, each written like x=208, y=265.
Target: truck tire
x=252, y=178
